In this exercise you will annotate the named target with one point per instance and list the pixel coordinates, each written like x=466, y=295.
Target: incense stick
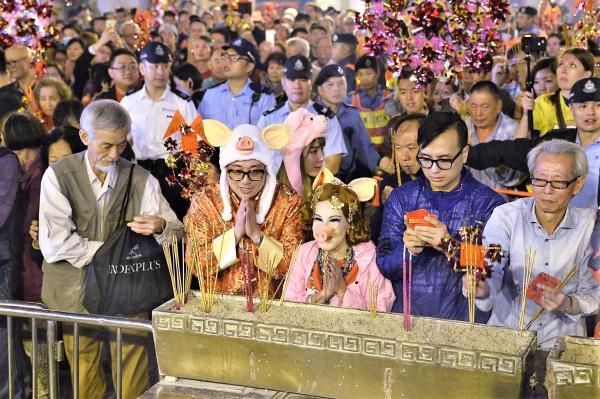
x=179, y=271
x=528, y=267
x=373, y=292
x=286, y=279
x=559, y=287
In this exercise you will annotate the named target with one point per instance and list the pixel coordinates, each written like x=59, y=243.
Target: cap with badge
x=587, y=89
x=346, y=38
x=297, y=67
x=155, y=53
x=244, y=48
x=366, y=62
x=530, y=11
x=329, y=71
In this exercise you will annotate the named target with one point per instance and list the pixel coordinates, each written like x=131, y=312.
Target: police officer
x=151, y=108
x=362, y=157
x=344, y=54
x=297, y=85
x=237, y=100
x=370, y=99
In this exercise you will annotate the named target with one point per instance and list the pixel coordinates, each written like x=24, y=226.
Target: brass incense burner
x=335, y=352
x=573, y=368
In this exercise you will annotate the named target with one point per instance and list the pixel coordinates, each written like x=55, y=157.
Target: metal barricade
x=25, y=310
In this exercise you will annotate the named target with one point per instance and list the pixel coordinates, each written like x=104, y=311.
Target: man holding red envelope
x=419, y=214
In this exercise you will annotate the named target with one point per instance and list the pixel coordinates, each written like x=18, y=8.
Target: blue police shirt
x=588, y=196
x=366, y=100
x=357, y=141
x=221, y=104
x=334, y=140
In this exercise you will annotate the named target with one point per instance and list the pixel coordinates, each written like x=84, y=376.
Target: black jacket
x=512, y=153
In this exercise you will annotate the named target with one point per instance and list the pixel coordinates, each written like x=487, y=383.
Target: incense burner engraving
x=573, y=368
x=334, y=352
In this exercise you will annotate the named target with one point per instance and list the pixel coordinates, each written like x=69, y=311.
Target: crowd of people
x=314, y=146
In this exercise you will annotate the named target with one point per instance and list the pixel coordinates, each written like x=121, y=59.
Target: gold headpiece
x=364, y=188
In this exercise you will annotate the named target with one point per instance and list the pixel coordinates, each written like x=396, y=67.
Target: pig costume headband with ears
x=305, y=127
x=244, y=143
x=364, y=188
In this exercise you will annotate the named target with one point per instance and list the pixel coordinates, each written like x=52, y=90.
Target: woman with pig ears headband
x=338, y=267
x=248, y=213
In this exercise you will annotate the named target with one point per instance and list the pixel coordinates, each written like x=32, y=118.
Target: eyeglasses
x=555, y=184
x=14, y=62
x=128, y=67
x=442, y=164
x=233, y=57
x=238, y=175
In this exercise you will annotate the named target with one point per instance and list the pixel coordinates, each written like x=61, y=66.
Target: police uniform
x=362, y=156
x=247, y=106
x=372, y=109
x=299, y=67
x=348, y=63
x=149, y=121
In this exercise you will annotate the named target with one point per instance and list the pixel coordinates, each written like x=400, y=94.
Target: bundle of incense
x=266, y=297
x=247, y=271
x=286, y=279
x=407, y=289
x=528, y=267
x=471, y=289
x=559, y=287
x=373, y=293
x=206, y=268
x=179, y=271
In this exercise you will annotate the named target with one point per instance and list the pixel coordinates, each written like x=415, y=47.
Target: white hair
x=560, y=147
x=301, y=43
x=105, y=115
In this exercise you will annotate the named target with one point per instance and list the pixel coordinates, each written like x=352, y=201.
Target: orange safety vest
x=375, y=119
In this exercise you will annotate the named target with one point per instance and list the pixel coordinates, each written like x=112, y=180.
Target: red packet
x=534, y=293
x=472, y=255
x=417, y=218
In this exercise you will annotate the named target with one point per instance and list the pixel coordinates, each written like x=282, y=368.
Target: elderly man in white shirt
x=80, y=204
x=560, y=237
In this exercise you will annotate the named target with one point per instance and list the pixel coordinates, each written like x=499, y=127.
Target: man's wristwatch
x=260, y=240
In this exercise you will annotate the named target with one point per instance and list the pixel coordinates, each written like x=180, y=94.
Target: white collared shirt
x=151, y=118
x=58, y=238
x=516, y=228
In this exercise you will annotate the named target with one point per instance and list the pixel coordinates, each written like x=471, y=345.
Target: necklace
x=347, y=265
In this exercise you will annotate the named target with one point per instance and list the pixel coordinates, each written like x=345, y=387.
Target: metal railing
x=25, y=310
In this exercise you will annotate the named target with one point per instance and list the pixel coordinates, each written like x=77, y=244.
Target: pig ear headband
x=363, y=187
x=243, y=143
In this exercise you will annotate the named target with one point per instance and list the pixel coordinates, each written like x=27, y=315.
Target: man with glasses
x=248, y=210
x=124, y=71
x=454, y=199
x=151, y=109
x=237, y=100
x=20, y=67
x=585, y=108
x=558, y=234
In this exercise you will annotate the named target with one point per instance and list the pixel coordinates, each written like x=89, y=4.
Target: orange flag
x=189, y=133
x=175, y=125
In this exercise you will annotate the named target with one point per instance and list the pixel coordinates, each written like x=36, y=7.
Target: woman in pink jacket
x=338, y=268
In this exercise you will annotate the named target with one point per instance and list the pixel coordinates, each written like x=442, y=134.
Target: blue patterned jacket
x=436, y=288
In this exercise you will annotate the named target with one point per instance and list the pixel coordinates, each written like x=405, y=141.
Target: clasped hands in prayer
x=245, y=222
x=333, y=283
